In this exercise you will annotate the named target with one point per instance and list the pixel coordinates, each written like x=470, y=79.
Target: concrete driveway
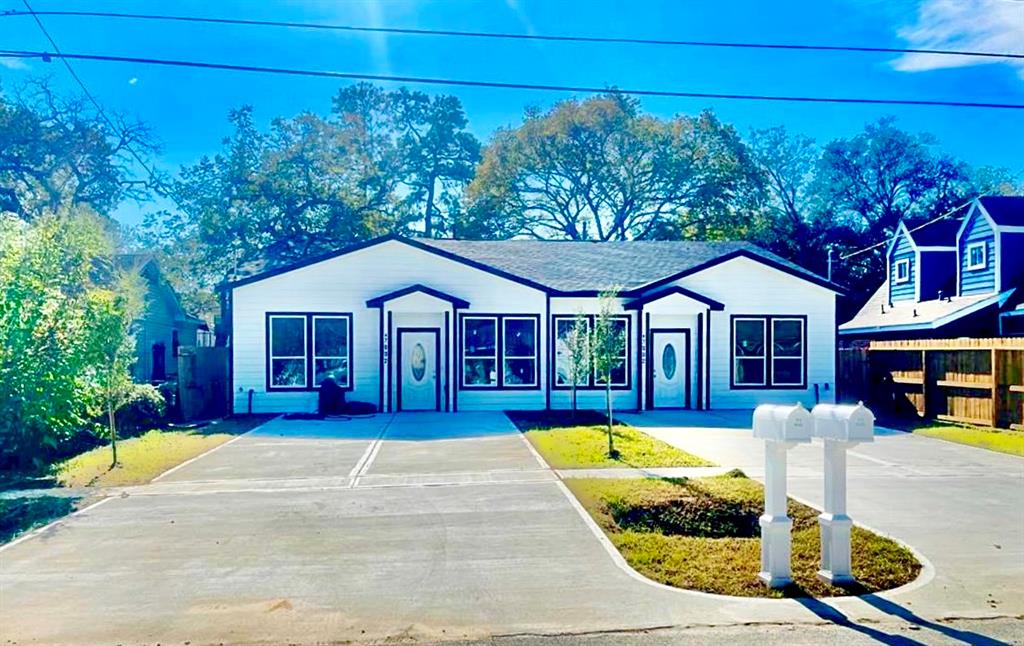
x=418, y=526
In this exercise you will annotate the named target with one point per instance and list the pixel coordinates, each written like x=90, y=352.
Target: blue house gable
x=902, y=267
x=976, y=254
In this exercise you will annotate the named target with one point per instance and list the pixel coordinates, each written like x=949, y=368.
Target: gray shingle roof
x=569, y=266
x=937, y=234
x=1006, y=210
x=878, y=314
x=566, y=266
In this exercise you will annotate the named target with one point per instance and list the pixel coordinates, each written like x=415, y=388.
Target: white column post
x=775, y=523
x=833, y=522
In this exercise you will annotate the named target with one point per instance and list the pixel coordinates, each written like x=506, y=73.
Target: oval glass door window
x=668, y=361
x=418, y=362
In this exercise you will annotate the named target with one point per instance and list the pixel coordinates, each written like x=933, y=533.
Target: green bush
x=144, y=409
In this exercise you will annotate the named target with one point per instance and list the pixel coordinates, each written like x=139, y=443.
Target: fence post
x=997, y=404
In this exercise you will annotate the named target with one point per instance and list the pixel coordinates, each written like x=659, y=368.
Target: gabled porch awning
x=675, y=290
x=378, y=301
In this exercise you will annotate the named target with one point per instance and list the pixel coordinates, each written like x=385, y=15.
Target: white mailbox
x=844, y=423
x=782, y=423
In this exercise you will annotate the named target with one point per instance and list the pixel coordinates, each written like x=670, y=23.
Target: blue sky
x=188, y=108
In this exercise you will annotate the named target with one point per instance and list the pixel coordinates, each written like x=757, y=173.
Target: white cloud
x=974, y=25
x=13, y=64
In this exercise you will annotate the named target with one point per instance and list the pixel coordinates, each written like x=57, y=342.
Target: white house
x=450, y=325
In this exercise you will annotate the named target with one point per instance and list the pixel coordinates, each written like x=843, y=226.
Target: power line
x=515, y=36
x=918, y=227
x=502, y=85
x=88, y=94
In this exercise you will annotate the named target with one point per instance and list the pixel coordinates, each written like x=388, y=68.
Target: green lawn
x=140, y=459
x=1004, y=441
x=24, y=514
x=703, y=534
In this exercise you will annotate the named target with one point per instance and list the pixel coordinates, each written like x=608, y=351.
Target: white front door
x=417, y=378
x=669, y=365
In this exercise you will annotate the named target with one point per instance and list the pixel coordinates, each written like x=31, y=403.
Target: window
x=563, y=329
x=480, y=351
x=288, y=351
x=618, y=371
x=903, y=271
x=499, y=351
x=563, y=326
x=769, y=351
x=330, y=349
x=519, y=343
x=749, y=352
x=305, y=349
x=787, y=352
x=976, y=256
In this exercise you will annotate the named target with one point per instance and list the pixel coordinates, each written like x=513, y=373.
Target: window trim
x=902, y=262
x=983, y=265
x=769, y=375
x=348, y=345
x=803, y=352
x=765, y=381
x=591, y=377
x=499, y=349
x=308, y=385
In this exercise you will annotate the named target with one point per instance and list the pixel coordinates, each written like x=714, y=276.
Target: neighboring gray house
x=951, y=278
x=165, y=325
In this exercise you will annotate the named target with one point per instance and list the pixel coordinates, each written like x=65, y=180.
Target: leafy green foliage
x=62, y=307
x=606, y=343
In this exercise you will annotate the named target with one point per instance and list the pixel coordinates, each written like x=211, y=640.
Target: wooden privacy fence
x=975, y=381
x=203, y=382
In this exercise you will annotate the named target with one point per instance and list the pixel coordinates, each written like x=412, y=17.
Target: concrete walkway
x=409, y=527
x=957, y=505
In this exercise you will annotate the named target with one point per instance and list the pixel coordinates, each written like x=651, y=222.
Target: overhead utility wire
x=99, y=108
x=918, y=227
x=501, y=85
x=515, y=36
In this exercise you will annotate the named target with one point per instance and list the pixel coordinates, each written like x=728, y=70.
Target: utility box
x=779, y=423
x=844, y=423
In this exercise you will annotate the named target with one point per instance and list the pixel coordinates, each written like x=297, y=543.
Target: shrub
x=145, y=408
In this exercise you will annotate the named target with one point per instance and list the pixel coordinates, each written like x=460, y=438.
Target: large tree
x=599, y=169
x=56, y=151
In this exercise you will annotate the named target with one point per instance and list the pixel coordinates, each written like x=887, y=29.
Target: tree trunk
x=608, y=401
x=428, y=217
x=113, y=434
x=573, y=414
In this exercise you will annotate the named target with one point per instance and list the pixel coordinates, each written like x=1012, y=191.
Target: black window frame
x=309, y=358
x=769, y=371
x=499, y=351
x=591, y=377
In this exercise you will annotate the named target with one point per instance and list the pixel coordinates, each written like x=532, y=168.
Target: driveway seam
x=369, y=455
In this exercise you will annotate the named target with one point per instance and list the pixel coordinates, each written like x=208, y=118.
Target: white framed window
x=519, y=351
x=563, y=329
x=750, y=352
x=787, y=351
x=287, y=346
x=618, y=372
x=902, y=271
x=331, y=340
x=479, y=351
x=977, y=258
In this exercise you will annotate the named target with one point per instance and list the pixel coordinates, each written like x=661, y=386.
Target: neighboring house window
x=304, y=349
x=175, y=343
x=480, y=351
x=519, y=345
x=903, y=270
x=500, y=351
x=769, y=351
x=563, y=325
x=976, y=258
x=330, y=349
x=159, y=372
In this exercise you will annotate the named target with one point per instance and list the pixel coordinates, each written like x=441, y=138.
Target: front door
x=418, y=386
x=669, y=361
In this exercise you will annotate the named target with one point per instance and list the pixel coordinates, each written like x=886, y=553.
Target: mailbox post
x=781, y=428
x=841, y=427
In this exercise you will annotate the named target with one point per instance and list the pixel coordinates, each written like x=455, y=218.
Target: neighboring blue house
x=951, y=278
